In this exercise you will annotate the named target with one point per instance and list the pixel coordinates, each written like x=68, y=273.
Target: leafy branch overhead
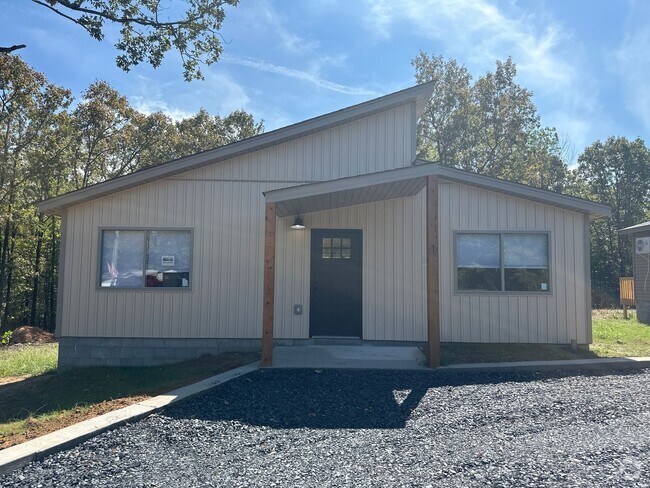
x=149, y=29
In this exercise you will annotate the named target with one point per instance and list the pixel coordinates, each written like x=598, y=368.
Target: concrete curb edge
x=18, y=456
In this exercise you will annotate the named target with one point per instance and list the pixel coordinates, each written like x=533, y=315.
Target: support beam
x=269, y=284
x=433, y=278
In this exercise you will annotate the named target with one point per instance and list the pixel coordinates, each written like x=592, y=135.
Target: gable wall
x=224, y=205
x=557, y=317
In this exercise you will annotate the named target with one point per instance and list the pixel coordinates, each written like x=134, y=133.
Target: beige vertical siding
x=558, y=317
x=394, y=302
x=224, y=205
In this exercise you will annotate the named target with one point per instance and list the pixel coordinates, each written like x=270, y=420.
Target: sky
x=587, y=62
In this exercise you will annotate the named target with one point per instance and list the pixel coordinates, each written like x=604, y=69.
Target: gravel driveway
x=378, y=428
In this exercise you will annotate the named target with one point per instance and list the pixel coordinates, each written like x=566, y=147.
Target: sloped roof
x=419, y=94
x=408, y=181
x=635, y=228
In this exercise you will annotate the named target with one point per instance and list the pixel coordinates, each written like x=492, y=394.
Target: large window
x=145, y=258
x=507, y=262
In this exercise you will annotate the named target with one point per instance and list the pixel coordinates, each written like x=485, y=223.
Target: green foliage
x=615, y=172
x=488, y=126
x=150, y=29
x=6, y=337
x=50, y=148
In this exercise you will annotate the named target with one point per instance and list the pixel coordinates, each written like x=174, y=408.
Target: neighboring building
x=198, y=255
x=640, y=235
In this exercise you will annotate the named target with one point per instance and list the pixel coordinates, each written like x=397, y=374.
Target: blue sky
x=586, y=61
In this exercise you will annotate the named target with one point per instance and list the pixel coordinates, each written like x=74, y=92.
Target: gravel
x=377, y=428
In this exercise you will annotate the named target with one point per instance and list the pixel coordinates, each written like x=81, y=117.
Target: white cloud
x=479, y=32
x=261, y=65
x=149, y=106
x=633, y=64
x=218, y=93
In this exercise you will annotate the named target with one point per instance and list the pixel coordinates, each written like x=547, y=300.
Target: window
x=337, y=248
x=508, y=262
x=145, y=258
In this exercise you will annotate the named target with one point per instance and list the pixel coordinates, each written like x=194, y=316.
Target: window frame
x=503, y=292
x=146, y=289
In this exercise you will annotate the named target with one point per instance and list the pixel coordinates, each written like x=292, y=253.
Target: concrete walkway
x=366, y=356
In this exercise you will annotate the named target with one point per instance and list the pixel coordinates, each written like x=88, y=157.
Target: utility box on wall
x=640, y=235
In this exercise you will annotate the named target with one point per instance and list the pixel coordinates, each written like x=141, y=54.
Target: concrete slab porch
x=365, y=356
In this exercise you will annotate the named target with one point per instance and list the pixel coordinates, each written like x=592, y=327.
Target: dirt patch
x=611, y=313
x=30, y=335
x=36, y=427
x=12, y=379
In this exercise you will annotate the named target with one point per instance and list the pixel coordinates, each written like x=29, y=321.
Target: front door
x=335, y=304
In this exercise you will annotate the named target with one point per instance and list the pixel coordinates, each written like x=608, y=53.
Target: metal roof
x=408, y=181
x=635, y=228
x=419, y=94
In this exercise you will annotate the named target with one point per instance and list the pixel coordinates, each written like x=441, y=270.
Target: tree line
x=53, y=143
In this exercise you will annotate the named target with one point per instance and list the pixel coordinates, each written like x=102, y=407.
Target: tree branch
x=76, y=6
x=13, y=48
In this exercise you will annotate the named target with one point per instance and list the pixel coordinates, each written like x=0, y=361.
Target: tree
x=617, y=173
x=29, y=107
x=48, y=149
x=149, y=29
x=203, y=131
x=490, y=126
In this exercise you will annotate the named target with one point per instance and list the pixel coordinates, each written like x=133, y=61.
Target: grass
x=42, y=404
x=28, y=360
x=614, y=336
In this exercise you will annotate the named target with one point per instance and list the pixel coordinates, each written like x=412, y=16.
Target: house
x=327, y=228
x=640, y=235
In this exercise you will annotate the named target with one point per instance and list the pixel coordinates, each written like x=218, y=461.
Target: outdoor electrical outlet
x=297, y=309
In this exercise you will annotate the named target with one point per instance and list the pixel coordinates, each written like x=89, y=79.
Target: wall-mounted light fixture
x=297, y=223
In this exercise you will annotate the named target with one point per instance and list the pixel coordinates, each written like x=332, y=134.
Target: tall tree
x=617, y=173
x=149, y=29
x=489, y=126
x=29, y=105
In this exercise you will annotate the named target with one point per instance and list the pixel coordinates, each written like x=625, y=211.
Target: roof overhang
x=418, y=95
x=643, y=227
x=404, y=182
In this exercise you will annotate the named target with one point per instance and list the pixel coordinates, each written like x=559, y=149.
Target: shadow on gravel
x=334, y=399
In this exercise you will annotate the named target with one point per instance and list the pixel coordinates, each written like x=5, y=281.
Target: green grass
x=614, y=336
x=28, y=360
x=48, y=402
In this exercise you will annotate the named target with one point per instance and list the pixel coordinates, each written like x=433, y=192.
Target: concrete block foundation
x=124, y=351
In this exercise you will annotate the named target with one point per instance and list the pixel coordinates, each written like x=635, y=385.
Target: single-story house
x=640, y=235
x=327, y=228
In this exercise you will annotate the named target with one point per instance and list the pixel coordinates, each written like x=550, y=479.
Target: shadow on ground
x=335, y=399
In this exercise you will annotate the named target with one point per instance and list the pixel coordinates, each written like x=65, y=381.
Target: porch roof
x=408, y=181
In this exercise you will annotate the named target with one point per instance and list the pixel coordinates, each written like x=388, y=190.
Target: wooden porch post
x=269, y=285
x=433, y=284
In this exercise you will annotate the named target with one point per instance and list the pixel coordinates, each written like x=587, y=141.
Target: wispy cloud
x=633, y=63
x=218, y=93
x=477, y=32
x=480, y=32
x=261, y=65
